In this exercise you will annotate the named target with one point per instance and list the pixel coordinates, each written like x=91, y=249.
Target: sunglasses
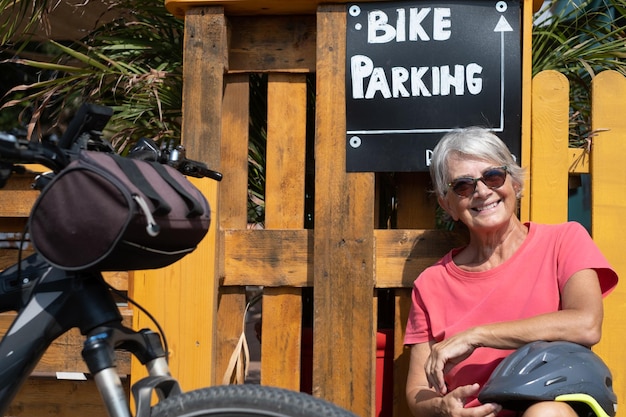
x=466, y=186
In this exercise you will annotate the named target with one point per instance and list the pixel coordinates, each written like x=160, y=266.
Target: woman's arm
x=578, y=321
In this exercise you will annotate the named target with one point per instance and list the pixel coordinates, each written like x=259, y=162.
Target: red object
x=384, y=369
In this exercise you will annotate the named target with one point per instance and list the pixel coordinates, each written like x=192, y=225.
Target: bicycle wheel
x=246, y=401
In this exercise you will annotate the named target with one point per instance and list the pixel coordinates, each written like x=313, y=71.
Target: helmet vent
x=532, y=366
x=555, y=380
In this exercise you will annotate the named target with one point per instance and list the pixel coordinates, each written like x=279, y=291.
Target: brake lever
x=198, y=170
x=147, y=150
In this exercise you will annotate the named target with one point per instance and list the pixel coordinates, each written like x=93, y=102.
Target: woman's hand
x=444, y=356
x=425, y=401
x=453, y=404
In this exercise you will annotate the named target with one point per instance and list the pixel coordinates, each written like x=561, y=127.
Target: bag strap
x=194, y=206
x=134, y=174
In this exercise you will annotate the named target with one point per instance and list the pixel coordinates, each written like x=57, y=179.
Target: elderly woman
x=513, y=283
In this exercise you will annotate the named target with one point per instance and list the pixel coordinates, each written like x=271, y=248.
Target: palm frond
x=132, y=65
x=22, y=15
x=581, y=39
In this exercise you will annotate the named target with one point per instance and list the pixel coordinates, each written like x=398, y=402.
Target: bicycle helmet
x=552, y=371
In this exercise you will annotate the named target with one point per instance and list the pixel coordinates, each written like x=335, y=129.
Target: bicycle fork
x=145, y=345
x=49, y=302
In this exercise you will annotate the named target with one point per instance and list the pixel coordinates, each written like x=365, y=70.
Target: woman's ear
x=445, y=204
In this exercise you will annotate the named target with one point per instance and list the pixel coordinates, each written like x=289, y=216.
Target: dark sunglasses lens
x=464, y=187
x=494, y=178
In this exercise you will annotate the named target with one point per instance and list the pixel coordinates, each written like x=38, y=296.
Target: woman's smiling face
x=485, y=209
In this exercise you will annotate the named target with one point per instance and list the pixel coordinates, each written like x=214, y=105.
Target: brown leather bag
x=109, y=213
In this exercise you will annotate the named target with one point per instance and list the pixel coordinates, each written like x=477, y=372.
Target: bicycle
x=50, y=301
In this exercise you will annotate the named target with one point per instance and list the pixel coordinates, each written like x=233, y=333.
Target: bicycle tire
x=246, y=401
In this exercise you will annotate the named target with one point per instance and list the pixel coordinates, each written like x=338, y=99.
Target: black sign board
x=418, y=69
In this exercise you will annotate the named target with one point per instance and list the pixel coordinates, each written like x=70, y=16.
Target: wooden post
x=343, y=334
x=528, y=7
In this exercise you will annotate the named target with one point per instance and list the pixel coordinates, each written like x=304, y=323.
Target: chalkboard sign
x=418, y=69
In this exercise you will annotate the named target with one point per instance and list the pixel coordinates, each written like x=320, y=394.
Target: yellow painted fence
x=552, y=162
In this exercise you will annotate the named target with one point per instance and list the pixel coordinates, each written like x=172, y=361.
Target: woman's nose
x=481, y=188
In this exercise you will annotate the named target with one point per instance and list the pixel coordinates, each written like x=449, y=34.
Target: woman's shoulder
x=557, y=229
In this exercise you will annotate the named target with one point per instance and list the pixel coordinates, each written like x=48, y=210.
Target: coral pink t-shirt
x=447, y=300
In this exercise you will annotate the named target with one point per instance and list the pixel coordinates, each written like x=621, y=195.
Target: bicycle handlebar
x=84, y=128
x=17, y=151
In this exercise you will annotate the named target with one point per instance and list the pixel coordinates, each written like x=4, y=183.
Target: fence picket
x=549, y=158
x=608, y=182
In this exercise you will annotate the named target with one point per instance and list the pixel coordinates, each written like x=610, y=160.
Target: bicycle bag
x=109, y=213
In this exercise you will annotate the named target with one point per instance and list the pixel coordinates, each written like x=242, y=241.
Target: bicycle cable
x=128, y=299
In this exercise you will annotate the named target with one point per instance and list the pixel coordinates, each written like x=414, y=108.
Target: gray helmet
x=552, y=371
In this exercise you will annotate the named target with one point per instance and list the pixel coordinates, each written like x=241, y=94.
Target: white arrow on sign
x=502, y=26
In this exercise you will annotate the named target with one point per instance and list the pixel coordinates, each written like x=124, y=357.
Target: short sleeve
x=578, y=251
x=417, y=328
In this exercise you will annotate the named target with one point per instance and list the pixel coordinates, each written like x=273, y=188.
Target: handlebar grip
x=12, y=150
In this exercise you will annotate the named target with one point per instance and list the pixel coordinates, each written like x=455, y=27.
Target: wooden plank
x=230, y=320
x=274, y=43
x=286, y=151
x=64, y=354
x=285, y=257
x=343, y=358
x=10, y=256
x=268, y=258
x=205, y=61
x=550, y=137
x=234, y=150
x=52, y=397
x=233, y=210
x=17, y=196
x=24, y=180
x=284, y=209
x=526, y=127
x=281, y=341
x=17, y=203
x=402, y=254
x=608, y=180
x=250, y=7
